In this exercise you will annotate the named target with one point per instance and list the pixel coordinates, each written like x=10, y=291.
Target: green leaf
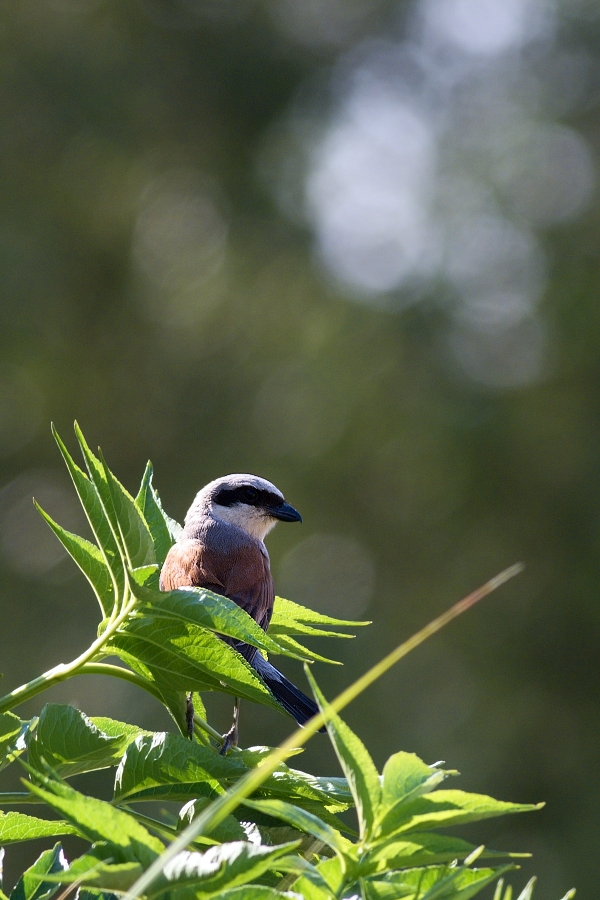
x=135, y=534
x=356, y=763
x=404, y=774
x=169, y=767
x=114, y=728
x=214, y=612
x=13, y=735
x=97, y=517
x=224, y=866
x=227, y=830
x=406, y=777
x=96, y=871
x=99, y=821
x=185, y=657
x=416, y=849
x=16, y=827
x=288, y=615
x=256, y=892
x=31, y=884
x=445, y=808
x=164, y=530
x=431, y=883
x=89, y=559
x=294, y=785
x=71, y=744
x=287, y=646
x=304, y=821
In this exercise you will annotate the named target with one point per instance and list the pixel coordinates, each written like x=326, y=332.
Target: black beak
x=285, y=513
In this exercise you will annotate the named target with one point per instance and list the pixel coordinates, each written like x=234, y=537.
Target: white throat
x=251, y=520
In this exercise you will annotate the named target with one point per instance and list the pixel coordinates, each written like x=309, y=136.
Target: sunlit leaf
x=97, y=516
x=220, y=867
x=256, y=892
x=90, y=560
x=415, y=849
x=227, y=830
x=358, y=767
x=287, y=613
x=185, y=657
x=16, y=827
x=169, y=767
x=95, y=869
x=31, y=884
x=135, y=534
x=211, y=611
x=70, y=743
x=304, y=821
x=444, y=808
x=13, y=737
x=164, y=530
x=99, y=821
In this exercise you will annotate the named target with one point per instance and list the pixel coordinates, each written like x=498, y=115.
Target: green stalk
x=66, y=670
x=19, y=797
x=222, y=806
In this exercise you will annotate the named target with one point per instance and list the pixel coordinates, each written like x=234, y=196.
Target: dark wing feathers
x=245, y=577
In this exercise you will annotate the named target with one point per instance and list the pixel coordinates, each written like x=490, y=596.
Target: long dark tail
x=291, y=698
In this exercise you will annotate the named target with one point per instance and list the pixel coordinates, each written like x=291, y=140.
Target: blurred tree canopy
x=354, y=247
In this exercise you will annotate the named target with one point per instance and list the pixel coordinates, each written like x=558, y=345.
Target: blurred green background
x=352, y=246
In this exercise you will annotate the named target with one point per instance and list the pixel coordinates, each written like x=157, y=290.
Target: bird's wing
x=244, y=577
x=186, y=565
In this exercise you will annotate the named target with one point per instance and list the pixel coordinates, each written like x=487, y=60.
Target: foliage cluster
x=248, y=826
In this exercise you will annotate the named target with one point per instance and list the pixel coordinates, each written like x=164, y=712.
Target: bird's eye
x=250, y=494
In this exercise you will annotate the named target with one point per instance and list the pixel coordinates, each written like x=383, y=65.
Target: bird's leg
x=189, y=716
x=231, y=738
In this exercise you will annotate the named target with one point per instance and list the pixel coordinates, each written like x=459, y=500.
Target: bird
x=222, y=549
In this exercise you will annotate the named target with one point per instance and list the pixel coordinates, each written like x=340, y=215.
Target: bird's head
x=247, y=501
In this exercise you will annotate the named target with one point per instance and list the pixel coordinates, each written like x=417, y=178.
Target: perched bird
x=222, y=549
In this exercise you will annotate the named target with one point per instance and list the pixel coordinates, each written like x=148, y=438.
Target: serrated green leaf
x=133, y=530
x=13, y=737
x=95, y=871
x=99, y=821
x=415, y=849
x=16, y=827
x=358, y=767
x=304, y=821
x=211, y=611
x=403, y=774
x=169, y=767
x=89, y=559
x=256, y=892
x=287, y=646
x=31, y=884
x=71, y=744
x=185, y=657
x=97, y=517
x=286, y=612
x=406, y=777
x=227, y=830
x=294, y=785
x=224, y=866
x=114, y=728
x=163, y=529
x=430, y=883
x=445, y=808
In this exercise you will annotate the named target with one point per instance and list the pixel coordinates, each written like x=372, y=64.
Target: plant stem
x=65, y=670
x=19, y=797
x=97, y=668
x=223, y=805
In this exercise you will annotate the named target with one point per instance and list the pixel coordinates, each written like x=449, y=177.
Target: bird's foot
x=189, y=716
x=230, y=740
